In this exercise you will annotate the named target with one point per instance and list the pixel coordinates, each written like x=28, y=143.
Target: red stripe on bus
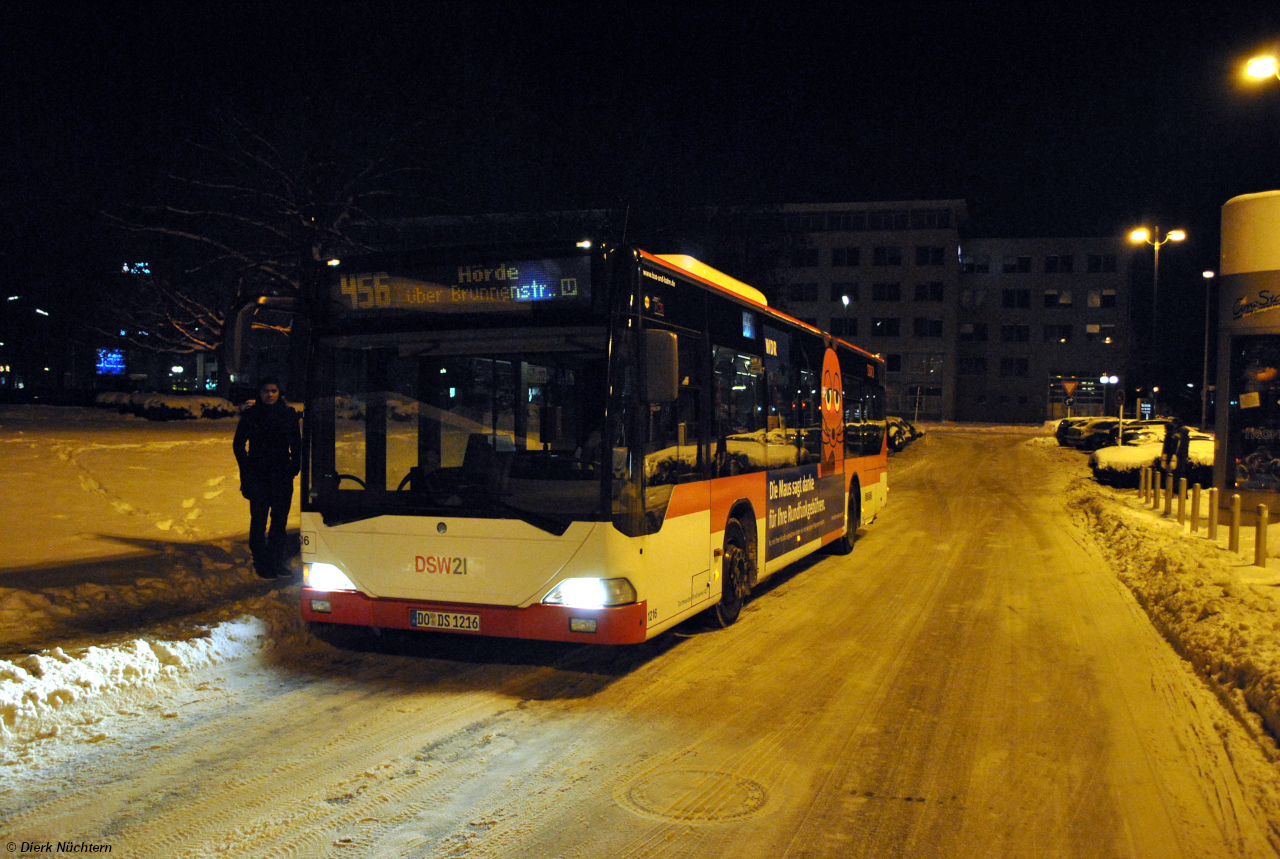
x=623, y=624
x=727, y=491
x=689, y=498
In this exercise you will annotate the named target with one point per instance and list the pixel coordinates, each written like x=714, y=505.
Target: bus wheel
x=844, y=545
x=737, y=578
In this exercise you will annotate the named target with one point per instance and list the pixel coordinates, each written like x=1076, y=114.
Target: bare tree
x=153, y=311
x=251, y=218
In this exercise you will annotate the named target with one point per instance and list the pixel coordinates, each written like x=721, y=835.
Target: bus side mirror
x=662, y=366
x=235, y=333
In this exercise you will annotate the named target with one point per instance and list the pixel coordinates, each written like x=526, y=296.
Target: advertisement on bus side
x=801, y=507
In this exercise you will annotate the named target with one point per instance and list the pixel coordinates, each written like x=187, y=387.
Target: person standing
x=268, y=448
x=1175, y=450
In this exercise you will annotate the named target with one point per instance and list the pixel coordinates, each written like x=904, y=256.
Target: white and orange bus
x=572, y=443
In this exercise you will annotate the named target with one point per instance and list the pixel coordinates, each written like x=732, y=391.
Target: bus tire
x=853, y=519
x=736, y=582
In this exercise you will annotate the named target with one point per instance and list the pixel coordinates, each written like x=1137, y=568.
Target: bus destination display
x=483, y=288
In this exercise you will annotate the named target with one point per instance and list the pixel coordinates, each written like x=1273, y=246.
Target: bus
x=577, y=442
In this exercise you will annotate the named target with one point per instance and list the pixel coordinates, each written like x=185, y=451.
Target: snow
x=124, y=570
x=1217, y=609
x=167, y=406
x=123, y=566
x=1134, y=456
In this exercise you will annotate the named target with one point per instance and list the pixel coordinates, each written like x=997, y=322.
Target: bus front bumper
x=614, y=625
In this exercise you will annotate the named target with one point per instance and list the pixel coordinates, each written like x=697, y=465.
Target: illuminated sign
x=468, y=288
x=110, y=362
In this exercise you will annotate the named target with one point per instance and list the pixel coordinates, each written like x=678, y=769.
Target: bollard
x=1168, y=494
x=1233, y=535
x=1157, y=481
x=1182, y=500
x=1260, y=540
x=1146, y=485
x=1142, y=483
x=1213, y=513
x=1195, y=508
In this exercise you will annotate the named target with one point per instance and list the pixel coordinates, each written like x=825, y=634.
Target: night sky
x=1054, y=119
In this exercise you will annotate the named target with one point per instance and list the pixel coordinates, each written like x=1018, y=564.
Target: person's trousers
x=269, y=544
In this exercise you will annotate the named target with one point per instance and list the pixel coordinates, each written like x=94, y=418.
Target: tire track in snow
x=312, y=788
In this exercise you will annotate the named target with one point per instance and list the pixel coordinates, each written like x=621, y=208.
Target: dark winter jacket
x=268, y=448
x=1177, y=442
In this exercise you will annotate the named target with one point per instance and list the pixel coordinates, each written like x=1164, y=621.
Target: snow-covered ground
x=122, y=564
x=1215, y=607
x=123, y=569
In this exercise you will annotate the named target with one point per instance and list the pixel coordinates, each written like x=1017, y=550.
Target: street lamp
x=1106, y=380
x=1204, y=381
x=1152, y=237
x=1262, y=67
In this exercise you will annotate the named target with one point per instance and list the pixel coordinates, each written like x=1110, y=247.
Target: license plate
x=444, y=620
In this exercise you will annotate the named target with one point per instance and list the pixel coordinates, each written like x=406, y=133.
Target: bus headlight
x=325, y=577
x=591, y=593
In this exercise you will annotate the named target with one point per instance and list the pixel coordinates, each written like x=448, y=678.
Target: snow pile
x=167, y=407
x=36, y=690
x=1119, y=465
x=56, y=694
x=47, y=681
x=190, y=583
x=1218, y=611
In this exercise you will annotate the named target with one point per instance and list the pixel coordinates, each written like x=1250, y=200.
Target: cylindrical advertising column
x=1247, y=451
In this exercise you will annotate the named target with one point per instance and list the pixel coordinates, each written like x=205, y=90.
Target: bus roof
x=714, y=277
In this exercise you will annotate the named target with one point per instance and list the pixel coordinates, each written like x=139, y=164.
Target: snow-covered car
x=1063, y=425
x=1121, y=465
x=1136, y=435
x=901, y=433
x=1092, y=433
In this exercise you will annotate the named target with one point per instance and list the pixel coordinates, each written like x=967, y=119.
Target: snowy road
x=971, y=681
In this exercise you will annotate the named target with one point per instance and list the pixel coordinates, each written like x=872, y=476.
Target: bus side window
x=738, y=382
x=873, y=434
x=863, y=407
x=783, y=387
x=854, y=416
x=673, y=452
x=808, y=405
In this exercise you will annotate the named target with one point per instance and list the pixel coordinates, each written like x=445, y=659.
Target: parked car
x=1092, y=433
x=1142, y=434
x=901, y=433
x=1159, y=424
x=1063, y=425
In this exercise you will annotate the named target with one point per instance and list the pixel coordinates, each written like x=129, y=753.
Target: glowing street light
x=844, y=324
x=1262, y=67
x=1110, y=380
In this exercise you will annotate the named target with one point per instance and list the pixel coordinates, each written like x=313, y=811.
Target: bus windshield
x=493, y=424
